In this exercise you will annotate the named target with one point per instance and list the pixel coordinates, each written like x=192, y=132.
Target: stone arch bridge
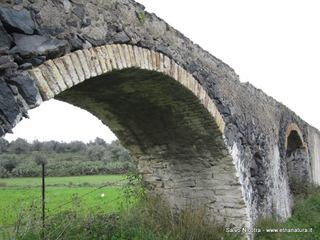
x=201, y=137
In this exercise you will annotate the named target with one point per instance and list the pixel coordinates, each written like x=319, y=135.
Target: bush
x=4, y=173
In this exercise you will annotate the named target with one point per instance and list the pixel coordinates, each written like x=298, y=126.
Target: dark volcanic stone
x=2, y=132
x=50, y=30
x=5, y=59
x=37, y=45
x=5, y=38
x=36, y=61
x=4, y=51
x=25, y=66
x=121, y=37
x=7, y=65
x=8, y=105
x=27, y=88
x=75, y=42
x=17, y=21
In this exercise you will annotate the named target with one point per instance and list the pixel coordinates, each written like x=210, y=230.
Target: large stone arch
x=162, y=115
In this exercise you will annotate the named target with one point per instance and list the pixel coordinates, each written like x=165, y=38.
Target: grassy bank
x=305, y=217
x=81, y=213
x=19, y=195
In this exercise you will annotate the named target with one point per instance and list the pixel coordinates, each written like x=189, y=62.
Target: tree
x=40, y=159
x=77, y=146
x=118, y=152
x=96, y=152
x=49, y=146
x=36, y=145
x=19, y=146
x=9, y=163
x=100, y=141
x=4, y=144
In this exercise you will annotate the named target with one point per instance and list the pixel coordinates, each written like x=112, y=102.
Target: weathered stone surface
x=42, y=84
x=5, y=38
x=18, y=21
x=27, y=88
x=121, y=37
x=8, y=107
x=38, y=45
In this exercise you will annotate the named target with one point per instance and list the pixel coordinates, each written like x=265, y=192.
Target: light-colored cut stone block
x=64, y=72
x=117, y=57
x=189, y=81
x=90, y=62
x=161, y=62
x=77, y=66
x=153, y=60
x=41, y=83
x=158, y=60
x=126, y=53
x=137, y=54
x=132, y=56
x=71, y=69
x=50, y=79
x=142, y=58
x=182, y=76
x=150, y=67
x=174, y=70
x=122, y=56
x=84, y=64
x=111, y=56
x=146, y=59
x=55, y=74
x=166, y=65
x=102, y=59
x=106, y=57
x=95, y=60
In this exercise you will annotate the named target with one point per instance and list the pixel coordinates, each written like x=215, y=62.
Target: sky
x=273, y=44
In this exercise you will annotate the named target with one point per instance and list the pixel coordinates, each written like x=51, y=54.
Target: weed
x=142, y=17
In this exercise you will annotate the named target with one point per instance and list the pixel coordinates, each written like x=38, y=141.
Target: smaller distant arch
x=294, y=138
x=297, y=158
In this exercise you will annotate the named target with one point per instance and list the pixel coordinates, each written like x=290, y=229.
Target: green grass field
x=21, y=195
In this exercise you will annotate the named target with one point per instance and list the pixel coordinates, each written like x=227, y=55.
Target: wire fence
x=66, y=223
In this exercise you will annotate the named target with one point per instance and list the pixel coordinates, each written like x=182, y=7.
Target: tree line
x=18, y=158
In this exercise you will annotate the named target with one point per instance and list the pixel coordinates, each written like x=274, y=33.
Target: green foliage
x=142, y=17
x=306, y=215
x=133, y=189
x=151, y=219
x=19, y=158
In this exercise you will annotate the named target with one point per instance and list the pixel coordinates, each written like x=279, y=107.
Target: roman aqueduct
x=202, y=138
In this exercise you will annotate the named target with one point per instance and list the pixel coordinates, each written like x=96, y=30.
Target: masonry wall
x=314, y=151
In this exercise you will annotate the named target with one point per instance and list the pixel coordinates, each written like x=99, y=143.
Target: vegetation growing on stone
x=142, y=17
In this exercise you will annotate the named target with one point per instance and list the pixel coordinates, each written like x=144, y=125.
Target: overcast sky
x=274, y=44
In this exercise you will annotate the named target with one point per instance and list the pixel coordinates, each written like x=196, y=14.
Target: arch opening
x=297, y=160
x=178, y=146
